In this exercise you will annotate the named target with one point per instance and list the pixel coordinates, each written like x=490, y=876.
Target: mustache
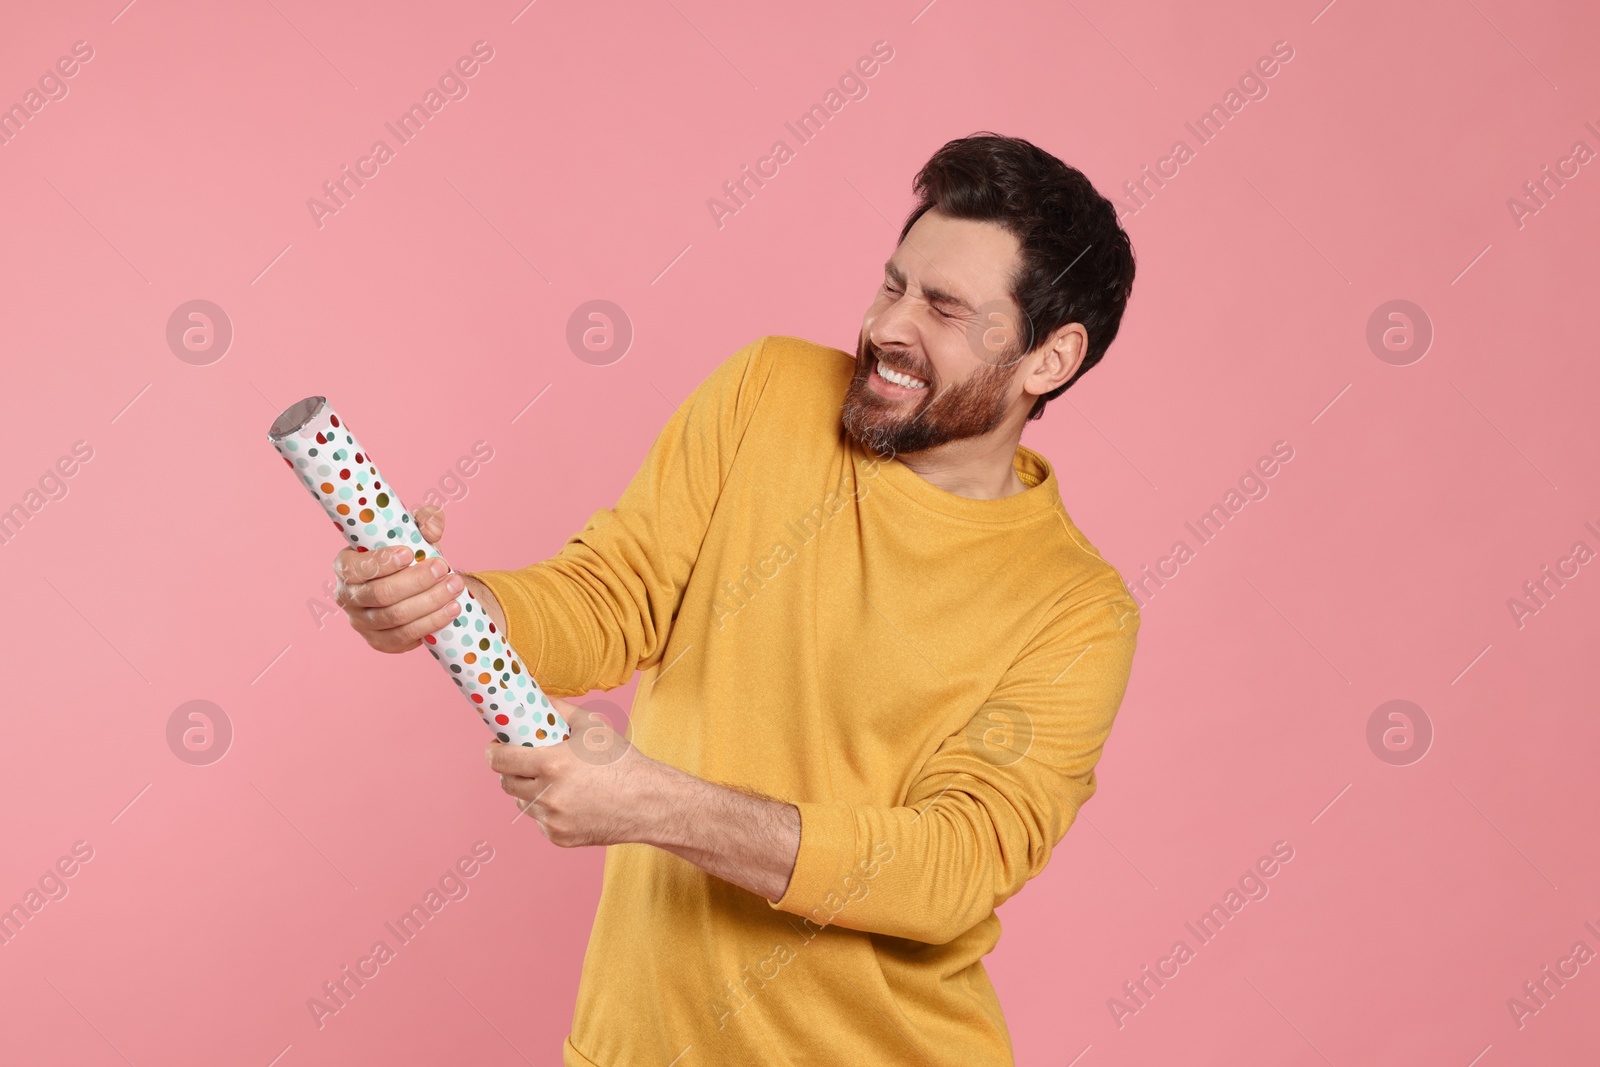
x=895, y=361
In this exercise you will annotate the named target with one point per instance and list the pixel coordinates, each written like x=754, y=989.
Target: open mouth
x=899, y=378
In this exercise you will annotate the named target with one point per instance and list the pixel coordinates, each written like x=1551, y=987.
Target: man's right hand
x=392, y=598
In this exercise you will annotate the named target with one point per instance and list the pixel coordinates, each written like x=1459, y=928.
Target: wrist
x=491, y=605
x=661, y=796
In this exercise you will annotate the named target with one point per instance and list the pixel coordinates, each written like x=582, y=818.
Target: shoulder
x=788, y=379
x=1093, y=595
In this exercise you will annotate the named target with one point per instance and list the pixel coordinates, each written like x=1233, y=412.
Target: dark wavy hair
x=1076, y=260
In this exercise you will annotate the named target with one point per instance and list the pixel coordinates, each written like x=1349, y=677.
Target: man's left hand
x=594, y=788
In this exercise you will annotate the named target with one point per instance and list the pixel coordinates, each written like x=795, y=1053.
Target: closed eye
x=891, y=289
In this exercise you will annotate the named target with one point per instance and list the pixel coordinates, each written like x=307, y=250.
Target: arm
x=982, y=819
x=602, y=607
x=597, y=789
x=990, y=804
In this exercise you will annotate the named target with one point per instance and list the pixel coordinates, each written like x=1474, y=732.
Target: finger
x=430, y=522
x=404, y=638
x=432, y=597
x=517, y=759
x=392, y=588
x=353, y=566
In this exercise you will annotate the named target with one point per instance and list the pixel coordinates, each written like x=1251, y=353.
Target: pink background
x=432, y=309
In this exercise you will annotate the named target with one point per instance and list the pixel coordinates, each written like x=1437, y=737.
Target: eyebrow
x=933, y=294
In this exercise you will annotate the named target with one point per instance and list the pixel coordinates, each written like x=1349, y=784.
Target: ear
x=1058, y=359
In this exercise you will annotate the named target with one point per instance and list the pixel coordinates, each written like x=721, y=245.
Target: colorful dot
x=501, y=719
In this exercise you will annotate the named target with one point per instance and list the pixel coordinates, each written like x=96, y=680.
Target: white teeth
x=891, y=375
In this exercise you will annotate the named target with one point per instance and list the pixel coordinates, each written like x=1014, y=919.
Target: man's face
x=944, y=317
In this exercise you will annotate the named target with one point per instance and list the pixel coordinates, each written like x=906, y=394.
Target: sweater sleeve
x=991, y=802
x=603, y=606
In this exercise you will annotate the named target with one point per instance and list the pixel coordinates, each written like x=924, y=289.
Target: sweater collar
x=1034, y=470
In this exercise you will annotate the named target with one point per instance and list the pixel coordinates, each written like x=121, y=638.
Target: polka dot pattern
x=340, y=473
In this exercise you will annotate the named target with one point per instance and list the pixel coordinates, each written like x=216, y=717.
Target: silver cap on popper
x=295, y=416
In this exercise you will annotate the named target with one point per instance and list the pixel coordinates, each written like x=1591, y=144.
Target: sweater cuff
x=827, y=854
x=525, y=597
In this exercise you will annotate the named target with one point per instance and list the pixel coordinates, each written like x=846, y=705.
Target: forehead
x=971, y=259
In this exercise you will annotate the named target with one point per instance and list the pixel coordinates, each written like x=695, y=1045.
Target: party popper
x=340, y=473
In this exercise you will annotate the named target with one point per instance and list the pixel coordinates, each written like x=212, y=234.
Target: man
x=880, y=661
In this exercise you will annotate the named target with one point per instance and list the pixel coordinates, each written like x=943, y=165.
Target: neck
x=980, y=468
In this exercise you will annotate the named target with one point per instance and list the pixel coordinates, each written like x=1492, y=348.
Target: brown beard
x=946, y=413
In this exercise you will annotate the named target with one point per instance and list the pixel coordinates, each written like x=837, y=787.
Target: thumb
x=430, y=523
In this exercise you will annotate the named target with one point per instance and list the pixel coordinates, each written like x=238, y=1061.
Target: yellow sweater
x=929, y=677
